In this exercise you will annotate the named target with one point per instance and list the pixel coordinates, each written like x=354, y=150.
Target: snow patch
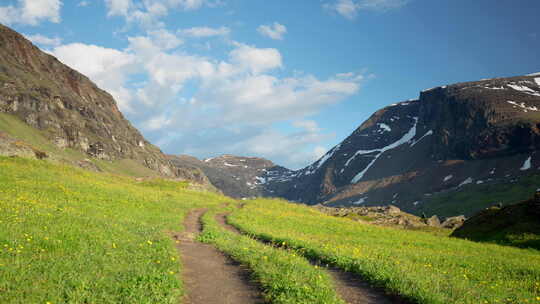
x=537, y=80
x=406, y=138
x=526, y=164
x=230, y=165
x=384, y=127
x=524, y=89
x=327, y=156
x=260, y=179
x=416, y=203
x=523, y=106
x=534, y=74
x=448, y=177
x=469, y=180
x=430, y=132
x=479, y=182
x=360, y=201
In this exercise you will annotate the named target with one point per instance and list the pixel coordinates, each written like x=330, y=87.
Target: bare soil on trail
x=349, y=286
x=209, y=276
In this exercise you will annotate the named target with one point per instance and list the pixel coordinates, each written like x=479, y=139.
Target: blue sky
x=285, y=80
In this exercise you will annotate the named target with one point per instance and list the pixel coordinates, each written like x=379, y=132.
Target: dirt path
x=349, y=286
x=209, y=276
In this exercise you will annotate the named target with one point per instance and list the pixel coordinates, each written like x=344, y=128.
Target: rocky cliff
x=455, y=150
x=450, y=139
x=70, y=109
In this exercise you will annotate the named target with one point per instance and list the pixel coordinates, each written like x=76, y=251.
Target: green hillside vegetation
x=38, y=140
x=285, y=277
x=471, y=199
x=515, y=225
x=69, y=235
x=417, y=265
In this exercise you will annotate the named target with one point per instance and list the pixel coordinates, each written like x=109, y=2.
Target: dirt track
x=349, y=286
x=209, y=276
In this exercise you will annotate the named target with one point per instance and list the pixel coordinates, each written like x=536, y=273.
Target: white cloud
x=255, y=59
x=31, y=12
x=190, y=103
x=44, y=40
x=118, y=7
x=83, y=3
x=148, y=12
x=109, y=68
x=275, y=31
x=350, y=8
x=205, y=31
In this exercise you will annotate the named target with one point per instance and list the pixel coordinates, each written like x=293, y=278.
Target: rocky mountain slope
x=455, y=150
x=235, y=176
x=68, y=110
x=452, y=138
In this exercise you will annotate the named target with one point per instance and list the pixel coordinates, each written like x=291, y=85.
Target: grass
x=421, y=266
x=515, y=225
x=286, y=277
x=72, y=236
x=473, y=198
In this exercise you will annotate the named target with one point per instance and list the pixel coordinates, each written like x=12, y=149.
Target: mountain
x=235, y=176
x=451, y=139
x=52, y=111
x=457, y=149
x=515, y=225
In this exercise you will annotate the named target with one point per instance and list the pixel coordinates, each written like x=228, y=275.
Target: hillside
x=515, y=225
x=48, y=110
x=235, y=176
x=439, y=154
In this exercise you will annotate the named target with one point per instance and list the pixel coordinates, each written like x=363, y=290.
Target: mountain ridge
x=68, y=110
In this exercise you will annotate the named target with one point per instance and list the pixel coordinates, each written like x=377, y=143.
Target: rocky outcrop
x=70, y=109
x=383, y=216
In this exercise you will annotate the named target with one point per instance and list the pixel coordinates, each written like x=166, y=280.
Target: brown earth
x=351, y=288
x=209, y=276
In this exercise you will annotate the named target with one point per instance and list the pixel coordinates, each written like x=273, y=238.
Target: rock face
x=455, y=136
x=68, y=107
x=382, y=215
x=235, y=176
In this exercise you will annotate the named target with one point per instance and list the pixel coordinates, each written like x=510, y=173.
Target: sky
x=285, y=80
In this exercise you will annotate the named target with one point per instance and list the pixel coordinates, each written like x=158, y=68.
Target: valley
x=433, y=200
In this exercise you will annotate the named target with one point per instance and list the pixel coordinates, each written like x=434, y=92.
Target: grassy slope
x=473, y=198
x=70, y=235
x=418, y=265
x=16, y=128
x=515, y=225
x=286, y=277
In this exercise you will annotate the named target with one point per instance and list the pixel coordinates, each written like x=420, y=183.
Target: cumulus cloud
x=109, y=68
x=148, y=12
x=31, y=12
x=350, y=8
x=44, y=40
x=188, y=103
x=205, y=31
x=83, y=3
x=275, y=31
x=254, y=59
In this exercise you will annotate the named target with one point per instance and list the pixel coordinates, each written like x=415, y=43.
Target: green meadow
x=69, y=235
x=72, y=236
x=421, y=266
